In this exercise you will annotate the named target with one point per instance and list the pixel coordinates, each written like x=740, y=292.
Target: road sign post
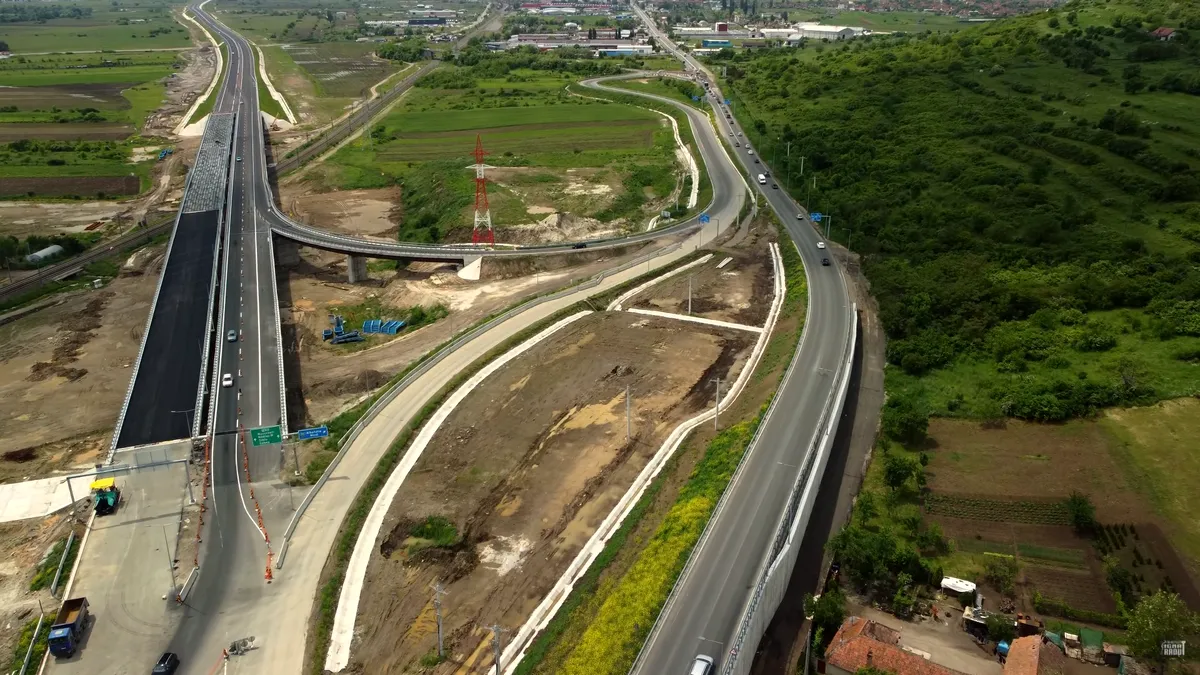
x=266, y=435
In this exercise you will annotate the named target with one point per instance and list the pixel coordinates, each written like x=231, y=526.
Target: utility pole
x=788, y=160
x=496, y=631
x=717, y=407
x=438, y=591
x=628, y=415
x=828, y=225
x=689, y=295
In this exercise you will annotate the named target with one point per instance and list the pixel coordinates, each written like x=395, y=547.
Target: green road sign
x=266, y=436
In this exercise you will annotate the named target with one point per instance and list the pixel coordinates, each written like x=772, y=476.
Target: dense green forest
x=1024, y=195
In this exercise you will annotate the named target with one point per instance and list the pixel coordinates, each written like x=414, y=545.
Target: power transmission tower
x=483, y=215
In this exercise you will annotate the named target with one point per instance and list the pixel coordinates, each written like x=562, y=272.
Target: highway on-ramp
x=703, y=613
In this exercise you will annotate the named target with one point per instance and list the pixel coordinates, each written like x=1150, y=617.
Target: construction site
x=523, y=471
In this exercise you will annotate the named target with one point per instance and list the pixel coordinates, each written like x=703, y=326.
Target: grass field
x=320, y=80
x=142, y=25
x=973, y=386
x=600, y=160
x=92, y=102
x=1160, y=452
x=662, y=86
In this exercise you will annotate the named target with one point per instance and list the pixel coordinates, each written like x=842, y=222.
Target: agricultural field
x=90, y=114
x=322, y=81
x=91, y=25
x=565, y=165
x=1003, y=491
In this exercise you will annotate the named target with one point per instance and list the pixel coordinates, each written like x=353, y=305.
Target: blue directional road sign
x=728, y=102
x=816, y=217
x=695, y=98
x=704, y=218
x=315, y=432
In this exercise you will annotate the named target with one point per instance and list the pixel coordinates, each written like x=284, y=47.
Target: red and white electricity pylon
x=482, y=233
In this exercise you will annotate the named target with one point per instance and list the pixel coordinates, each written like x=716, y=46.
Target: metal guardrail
x=391, y=394
x=61, y=562
x=224, y=233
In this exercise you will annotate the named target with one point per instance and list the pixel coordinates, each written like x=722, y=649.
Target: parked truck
x=68, y=627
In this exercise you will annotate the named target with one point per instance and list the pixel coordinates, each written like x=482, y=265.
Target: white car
x=227, y=380
x=820, y=244
x=703, y=665
x=749, y=152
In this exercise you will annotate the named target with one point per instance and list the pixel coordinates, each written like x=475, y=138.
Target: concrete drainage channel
x=550, y=605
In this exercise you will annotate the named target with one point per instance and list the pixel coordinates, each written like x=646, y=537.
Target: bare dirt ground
x=526, y=468
x=73, y=356
x=530, y=205
x=740, y=292
x=331, y=380
x=26, y=543
x=369, y=212
x=1032, y=460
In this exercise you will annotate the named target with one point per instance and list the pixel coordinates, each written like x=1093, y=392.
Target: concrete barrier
x=773, y=581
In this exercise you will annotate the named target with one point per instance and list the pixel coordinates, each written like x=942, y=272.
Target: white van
x=762, y=179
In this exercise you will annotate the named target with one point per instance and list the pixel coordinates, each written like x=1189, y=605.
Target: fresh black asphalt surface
x=168, y=376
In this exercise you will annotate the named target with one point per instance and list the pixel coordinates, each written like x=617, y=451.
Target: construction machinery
x=106, y=495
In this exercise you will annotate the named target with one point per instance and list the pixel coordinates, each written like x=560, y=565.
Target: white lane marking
x=241, y=493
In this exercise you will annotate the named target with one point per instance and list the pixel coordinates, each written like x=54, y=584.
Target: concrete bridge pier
x=356, y=268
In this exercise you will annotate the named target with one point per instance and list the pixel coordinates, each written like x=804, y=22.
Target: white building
x=816, y=31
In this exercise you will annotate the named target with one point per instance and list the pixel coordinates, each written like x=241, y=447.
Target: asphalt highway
x=702, y=616
x=231, y=589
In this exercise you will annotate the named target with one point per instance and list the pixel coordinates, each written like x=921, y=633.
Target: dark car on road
x=167, y=664
x=825, y=262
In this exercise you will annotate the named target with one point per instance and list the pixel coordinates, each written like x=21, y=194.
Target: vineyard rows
x=1027, y=512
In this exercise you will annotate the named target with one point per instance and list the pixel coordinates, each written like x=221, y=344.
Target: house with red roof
x=1034, y=655
x=860, y=643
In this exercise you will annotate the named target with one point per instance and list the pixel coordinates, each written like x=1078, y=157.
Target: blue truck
x=68, y=627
